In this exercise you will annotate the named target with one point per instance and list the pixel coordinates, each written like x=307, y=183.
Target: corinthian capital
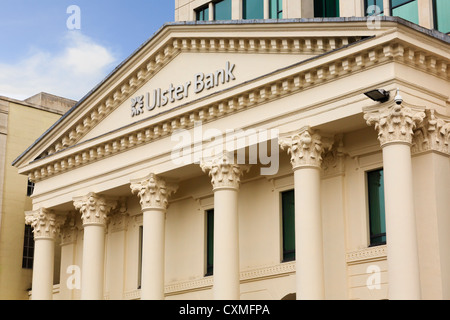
x=153, y=192
x=94, y=209
x=45, y=223
x=395, y=123
x=305, y=148
x=434, y=134
x=224, y=171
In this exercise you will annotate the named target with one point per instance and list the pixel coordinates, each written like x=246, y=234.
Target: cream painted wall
x=23, y=130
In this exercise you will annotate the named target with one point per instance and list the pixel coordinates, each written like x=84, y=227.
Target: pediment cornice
x=330, y=64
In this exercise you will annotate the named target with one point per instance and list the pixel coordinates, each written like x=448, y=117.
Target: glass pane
x=253, y=9
x=396, y=3
x=408, y=11
x=209, y=241
x=326, y=8
x=222, y=10
x=288, y=216
x=203, y=14
x=373, y=7
x=375, y=181
x=442, y=15
x=276, y=9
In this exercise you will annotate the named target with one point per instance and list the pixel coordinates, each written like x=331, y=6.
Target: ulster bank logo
x=161, y=97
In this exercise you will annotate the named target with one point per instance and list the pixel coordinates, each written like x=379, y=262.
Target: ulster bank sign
x=163, y=96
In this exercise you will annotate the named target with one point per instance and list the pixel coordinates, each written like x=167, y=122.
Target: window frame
x=391, y=9
x=28, y=248
x=324, y=9
x=209, y=270
x=366, y=6
x=243, y=2
x=279, y=10
x=435, y=18
x=283, y=258
x=369, y=214
x=214, y=3
x=203, y=10
x=140, y=252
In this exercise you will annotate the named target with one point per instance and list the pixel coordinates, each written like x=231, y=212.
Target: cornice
x=313, y=72
x=170, y=49
x=367, y=255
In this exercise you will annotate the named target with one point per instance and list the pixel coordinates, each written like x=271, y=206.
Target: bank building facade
x=255, y=150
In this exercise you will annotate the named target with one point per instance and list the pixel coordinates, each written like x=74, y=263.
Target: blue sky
x=39, y=52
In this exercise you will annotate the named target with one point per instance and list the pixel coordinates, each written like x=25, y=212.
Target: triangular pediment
x=184, y=69
x=183, y=66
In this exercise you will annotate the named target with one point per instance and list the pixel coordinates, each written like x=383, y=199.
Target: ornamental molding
x=119, y=218
x=305, y=78
x=69, y=230
x=305, y=148
x=167, y=52
x=94, y=208
x=153, y=192
x=367, y=255
x=395, y=123
x=333, y=163
x=45, y=223
x=205, y=283
x=433, y=135
x=224, y=171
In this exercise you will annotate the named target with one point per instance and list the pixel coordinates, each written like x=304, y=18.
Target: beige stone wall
x=22, y=130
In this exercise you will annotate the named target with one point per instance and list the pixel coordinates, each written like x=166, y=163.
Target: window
x=441, y=9
x=202, y=14
x=28, y=248
x=326, y=8
x=373, y=7
x=406, y=9
x=288, y=224
x=276, y=9
x=141, y=239
x=222, y=10
x=253, y=9
x=30, y=188
x=209, y=242
x=377, y=224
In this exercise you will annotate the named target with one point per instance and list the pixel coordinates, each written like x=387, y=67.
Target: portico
x=109, y=165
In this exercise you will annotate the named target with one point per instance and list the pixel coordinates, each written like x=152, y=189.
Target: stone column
x=94, y=211
x=45, y=228
x=306, y=150
x=225, y=178
x=153, y=193
x=116, y=252
x=69, y=279
x=395, y=124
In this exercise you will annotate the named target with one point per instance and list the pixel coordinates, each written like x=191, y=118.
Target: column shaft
x=403, y=261
x=308, y=234
x=395, y=124
x=92, y=277
x=226, y=245
x=153, y=254
x=153, y=193
x=43, y=265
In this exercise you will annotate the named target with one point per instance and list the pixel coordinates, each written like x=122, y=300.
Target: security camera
x=398, y=98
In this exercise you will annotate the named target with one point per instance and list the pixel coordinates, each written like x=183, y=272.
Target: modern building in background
x=255, y=150
x=21, y=123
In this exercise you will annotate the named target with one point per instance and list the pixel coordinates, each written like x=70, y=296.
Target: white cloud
x=70, y=72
